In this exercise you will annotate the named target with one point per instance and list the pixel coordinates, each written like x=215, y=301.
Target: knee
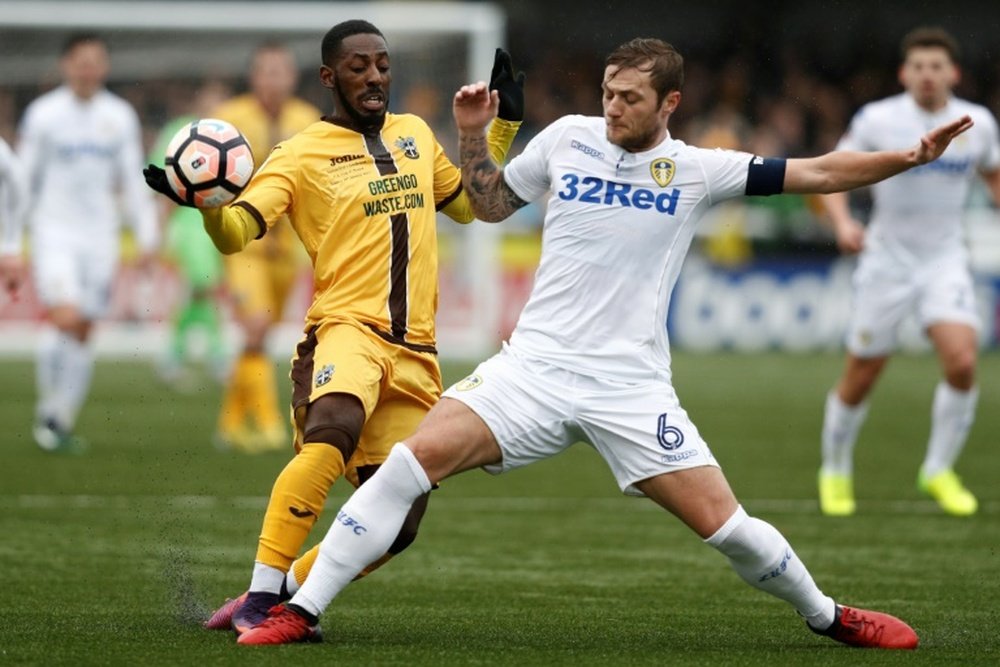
x=335, y=420
x=960, y=369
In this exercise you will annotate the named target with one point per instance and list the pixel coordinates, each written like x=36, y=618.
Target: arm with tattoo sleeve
x=482, y=179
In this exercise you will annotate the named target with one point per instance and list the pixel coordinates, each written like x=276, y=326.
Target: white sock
x=764, y=559
x=841, y=423
x=78, y=369
x=364, y=529
x=952, y=416
x=266, y=579
x=48, y=363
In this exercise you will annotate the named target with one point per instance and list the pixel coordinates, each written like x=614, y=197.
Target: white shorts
x=536, y=411
x=885, y=295
x=68, y=275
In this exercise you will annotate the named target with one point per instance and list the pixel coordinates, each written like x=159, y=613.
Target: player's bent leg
x=451, y=439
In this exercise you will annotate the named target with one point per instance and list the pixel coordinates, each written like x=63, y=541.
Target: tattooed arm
x=482, y=179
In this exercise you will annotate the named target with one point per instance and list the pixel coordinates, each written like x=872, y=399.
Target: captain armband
x=765, y=176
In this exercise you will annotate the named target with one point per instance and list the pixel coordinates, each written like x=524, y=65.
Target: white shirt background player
x=589, y=357
x=913, y=260
x=81, y=148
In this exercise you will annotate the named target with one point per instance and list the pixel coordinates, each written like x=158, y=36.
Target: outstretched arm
x=846, y=170
x=492, y=199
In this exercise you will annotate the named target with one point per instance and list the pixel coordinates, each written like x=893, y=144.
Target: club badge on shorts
x=468, y=383
x=324, y=375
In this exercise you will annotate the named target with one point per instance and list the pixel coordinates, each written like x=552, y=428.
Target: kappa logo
x=409, y=147
x=663, y=169
x=469, y=383
x=586, y=150
x=324, y=375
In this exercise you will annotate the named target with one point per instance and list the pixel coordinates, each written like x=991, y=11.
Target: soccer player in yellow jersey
x=261, y=278
x=361, y=189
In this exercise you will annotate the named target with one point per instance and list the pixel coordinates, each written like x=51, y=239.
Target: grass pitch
x=115, y=556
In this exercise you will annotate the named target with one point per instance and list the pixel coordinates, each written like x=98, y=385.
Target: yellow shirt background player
x=361, y=189
x=260, y=279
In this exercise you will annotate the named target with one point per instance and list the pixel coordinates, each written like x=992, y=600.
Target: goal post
x=435, y=46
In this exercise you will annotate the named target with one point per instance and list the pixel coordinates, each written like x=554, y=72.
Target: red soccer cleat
x=282, y=626
x=870, y=629
x=222, y=618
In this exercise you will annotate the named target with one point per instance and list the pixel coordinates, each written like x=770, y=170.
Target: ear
x=670, y=102
x=956, y=77
x=327, y=77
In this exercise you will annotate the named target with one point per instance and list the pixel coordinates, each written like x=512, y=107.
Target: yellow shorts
x=260, y=283
x=396, y=385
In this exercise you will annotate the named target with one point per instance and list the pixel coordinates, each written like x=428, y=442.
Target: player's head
x=356, y=69
x=642, y=87
x=84, y=63
x=273, y=75
x=930, y=66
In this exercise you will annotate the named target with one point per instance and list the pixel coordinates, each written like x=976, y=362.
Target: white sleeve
x=991, y=156
x=140, y=208
x=725, y=172
x=528, y=173
x=13, y=201
x=31, y=149
x=858, y=135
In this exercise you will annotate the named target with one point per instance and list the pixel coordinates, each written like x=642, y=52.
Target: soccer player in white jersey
x=13, y=208
x=913, y=259
x=81, y=147
x=589, y=358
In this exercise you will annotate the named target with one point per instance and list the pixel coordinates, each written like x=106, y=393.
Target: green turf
x=114, y=556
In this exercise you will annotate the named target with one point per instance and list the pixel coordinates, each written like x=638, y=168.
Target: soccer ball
x=208, y=163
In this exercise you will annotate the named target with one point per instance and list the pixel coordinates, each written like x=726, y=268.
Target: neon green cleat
x=836, y=494
x=947, y=489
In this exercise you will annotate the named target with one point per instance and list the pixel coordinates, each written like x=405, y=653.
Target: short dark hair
x=930, y=37
x=664, y=64
x=78, y=38
x=336, y=35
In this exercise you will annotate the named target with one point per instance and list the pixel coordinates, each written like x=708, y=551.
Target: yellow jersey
x=364, y=207
x=263, y=132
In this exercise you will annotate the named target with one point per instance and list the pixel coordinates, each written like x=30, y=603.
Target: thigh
x=949, y=296
x=409, y=391
x=335, y=358
x=881, y=302
x=641, y=431
x=56, y=271
x=525, y=406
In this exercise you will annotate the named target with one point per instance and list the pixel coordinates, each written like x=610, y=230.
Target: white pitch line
x=479, y=504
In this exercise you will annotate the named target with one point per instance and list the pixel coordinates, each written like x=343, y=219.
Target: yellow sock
x=297, y=498
x=263, y=391
x=304, y=563
x=233, y=413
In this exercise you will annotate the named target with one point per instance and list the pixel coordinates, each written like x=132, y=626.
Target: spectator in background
x=81, y=146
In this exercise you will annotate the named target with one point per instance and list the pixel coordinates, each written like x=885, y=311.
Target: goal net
x=162, y=51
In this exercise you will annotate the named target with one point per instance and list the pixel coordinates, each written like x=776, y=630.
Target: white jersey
x=13, y=201
x=79, y=155
x=616, y=230
x=918, y=214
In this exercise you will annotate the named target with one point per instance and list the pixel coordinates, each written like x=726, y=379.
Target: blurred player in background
x=188, y=247
x=589, y=358
x=260, y=279
x=362, y=189
x=80, y=146
x=913, y=260
x=13, y=213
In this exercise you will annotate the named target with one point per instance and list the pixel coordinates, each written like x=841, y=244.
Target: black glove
x=510, y=87
x=156, y=178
